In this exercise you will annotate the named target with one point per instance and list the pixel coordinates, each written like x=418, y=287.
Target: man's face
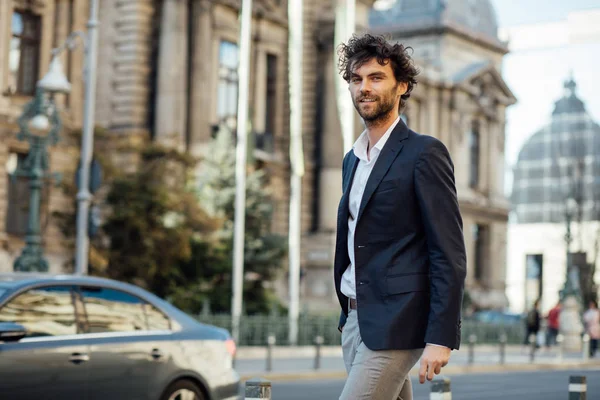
x=375, y=91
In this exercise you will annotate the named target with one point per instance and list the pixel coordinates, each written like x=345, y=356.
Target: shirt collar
x=361, y=144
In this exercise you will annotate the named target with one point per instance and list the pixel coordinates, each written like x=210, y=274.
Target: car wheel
x=183, y=390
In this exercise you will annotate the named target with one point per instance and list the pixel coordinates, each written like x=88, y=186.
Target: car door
x=51, y=362
x=123, y=358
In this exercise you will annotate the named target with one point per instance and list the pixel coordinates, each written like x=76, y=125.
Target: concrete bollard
x=586, y=347
x=257, y=388
x=440, y=389
x=270, y=343
x=577, y=388
x=503, y=340
x=559, y=344
x=318, y=344
x=532, y=345
x=472, y=341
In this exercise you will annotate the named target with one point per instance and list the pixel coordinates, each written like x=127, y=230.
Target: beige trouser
x=375, y=375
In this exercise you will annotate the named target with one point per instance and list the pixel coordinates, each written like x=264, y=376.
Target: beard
x=383, y=105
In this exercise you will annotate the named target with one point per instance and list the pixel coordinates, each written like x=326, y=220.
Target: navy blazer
x=408, y=245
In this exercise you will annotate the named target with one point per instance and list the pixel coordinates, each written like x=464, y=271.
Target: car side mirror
x=11, y=332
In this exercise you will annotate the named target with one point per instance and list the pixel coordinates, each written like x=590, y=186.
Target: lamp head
x=55, y=80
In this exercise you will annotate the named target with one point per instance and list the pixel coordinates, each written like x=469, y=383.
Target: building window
x=534, y=278
x=474, y=150
x=17, y=214
x=228, y=84
x=24, y=52
x=480, y=236
x=18, y=197
x=265, y=140
x=271, y=109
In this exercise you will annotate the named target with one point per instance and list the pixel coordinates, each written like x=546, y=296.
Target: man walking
x=400, y=258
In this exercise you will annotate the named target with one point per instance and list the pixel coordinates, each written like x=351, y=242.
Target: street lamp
x=570, y=316
x=56, y=81
x=39, y=124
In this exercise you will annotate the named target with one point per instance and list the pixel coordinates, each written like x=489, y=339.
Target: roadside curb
x=449, y=370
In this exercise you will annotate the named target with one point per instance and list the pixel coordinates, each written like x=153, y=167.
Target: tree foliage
x=172, y=234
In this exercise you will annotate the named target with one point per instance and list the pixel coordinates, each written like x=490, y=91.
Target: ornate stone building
x=167, y=72
x=556, y=195
x=29, y=29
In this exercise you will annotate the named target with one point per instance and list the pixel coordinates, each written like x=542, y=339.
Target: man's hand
x=432, y=361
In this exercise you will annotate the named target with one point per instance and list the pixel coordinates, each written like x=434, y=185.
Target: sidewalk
x=291, y=363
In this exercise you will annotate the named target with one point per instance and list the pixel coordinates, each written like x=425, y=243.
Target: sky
x=536, y=67
x=518, y=12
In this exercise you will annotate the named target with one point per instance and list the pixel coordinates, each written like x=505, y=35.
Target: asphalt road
x=542, y=385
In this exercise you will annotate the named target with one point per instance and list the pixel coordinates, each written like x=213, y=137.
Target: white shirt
x=361, y=176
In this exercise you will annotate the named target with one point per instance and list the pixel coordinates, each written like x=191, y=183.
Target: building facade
x=167, y=71
x=556, y=190
x=29, y=30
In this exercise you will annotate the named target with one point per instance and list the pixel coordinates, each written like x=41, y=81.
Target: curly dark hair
x=361, y=49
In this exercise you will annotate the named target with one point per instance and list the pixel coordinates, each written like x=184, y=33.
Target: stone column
x=128, y=72
x=171, y=96
x=5, y=33
x=201, y=75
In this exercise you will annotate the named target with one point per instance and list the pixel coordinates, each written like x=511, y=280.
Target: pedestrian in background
x=400, y=259
x=592, y=324
x=532, y=323
x=553, y=325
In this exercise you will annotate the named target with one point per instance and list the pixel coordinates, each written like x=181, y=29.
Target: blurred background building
x=552, y=151
x=556, y=200
x=29, y=30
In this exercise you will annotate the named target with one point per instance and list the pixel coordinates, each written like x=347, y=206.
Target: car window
x=110, y=310
x=157, y=321
x=45, y=311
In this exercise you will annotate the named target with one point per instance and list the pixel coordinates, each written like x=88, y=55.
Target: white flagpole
x=345, y=24
x=240, y=169
x=295, y=47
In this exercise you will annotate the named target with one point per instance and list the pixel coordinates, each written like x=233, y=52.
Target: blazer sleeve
x=436, y=193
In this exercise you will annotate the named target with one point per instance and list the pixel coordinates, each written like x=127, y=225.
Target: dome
x=570, y=103
x=475, y=17
x=555, y=163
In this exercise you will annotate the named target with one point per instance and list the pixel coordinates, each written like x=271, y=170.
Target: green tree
x=210, y=265
x=153, y=217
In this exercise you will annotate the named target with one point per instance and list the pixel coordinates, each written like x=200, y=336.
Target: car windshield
x=2, y=291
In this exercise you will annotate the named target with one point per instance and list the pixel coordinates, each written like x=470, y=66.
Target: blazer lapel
x=388, y=154
x=348, y=179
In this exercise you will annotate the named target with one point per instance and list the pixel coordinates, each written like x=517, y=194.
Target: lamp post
x=56, y=81
x=570, y=315
x=39, y=125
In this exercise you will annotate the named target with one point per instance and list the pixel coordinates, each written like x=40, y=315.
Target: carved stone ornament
x=32, y=5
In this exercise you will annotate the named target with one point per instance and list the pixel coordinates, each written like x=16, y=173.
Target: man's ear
x=402, y=88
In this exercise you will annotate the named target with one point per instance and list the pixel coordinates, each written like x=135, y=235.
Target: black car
x=70, y=337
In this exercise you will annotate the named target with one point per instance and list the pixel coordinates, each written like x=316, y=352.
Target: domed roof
x=476, y=17
x=570, y=103
x=555, y=161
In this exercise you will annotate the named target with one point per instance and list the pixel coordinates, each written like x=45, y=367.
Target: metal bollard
x=257, y=388
x=270, y=343
x=559, y=343
x=472, y=340
x=318, y=344
x=577, y=388
x=532, y=344
x=503, y=340
x=586, y=347
x=440, y=389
